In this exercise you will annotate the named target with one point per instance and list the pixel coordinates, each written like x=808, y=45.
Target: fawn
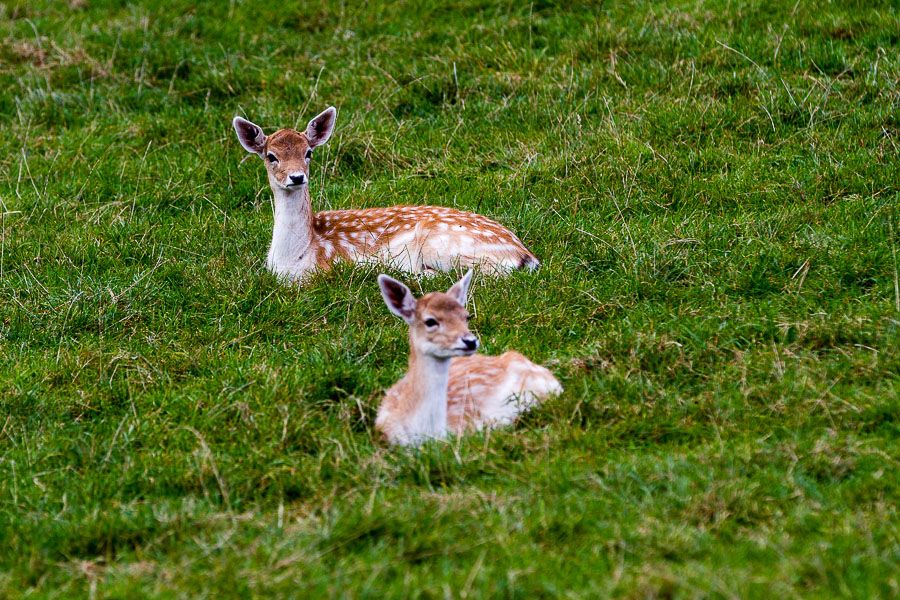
x=410, y=238
x=448, y=388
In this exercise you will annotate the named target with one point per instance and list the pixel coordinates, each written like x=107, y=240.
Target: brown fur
x=481, y=391
x=381, y=224
x=411, y=238
x=472, y=376
x=363, y=231
x=290, y=148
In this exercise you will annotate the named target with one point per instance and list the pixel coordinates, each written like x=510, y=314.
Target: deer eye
x=271, y=158
x=309, y=154
x=430, y=322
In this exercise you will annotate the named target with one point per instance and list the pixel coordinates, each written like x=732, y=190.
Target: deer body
x=448, y=388
x=410, y=238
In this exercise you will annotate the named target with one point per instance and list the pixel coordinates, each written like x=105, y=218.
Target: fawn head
x=286, y=152
x=438, y=322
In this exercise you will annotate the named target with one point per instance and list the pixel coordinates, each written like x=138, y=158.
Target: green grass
x=712, y=188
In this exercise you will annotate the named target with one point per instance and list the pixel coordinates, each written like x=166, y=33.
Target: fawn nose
x=471, y=342
x=297, y=178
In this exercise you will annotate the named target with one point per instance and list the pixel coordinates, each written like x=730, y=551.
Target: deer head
x=438, y=322
x=286, y=152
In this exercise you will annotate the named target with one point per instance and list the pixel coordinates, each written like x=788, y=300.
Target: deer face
x=441, y=327
x=438, y=322
x=287, y=153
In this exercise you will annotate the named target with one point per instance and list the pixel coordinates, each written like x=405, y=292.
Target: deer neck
x=427, y=412
x=292, y=234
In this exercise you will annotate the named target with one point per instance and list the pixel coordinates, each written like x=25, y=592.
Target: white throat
x=428, y=419
x=292, y=232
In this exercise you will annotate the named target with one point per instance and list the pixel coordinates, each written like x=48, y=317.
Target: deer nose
x=297, y=179
x=471, y=342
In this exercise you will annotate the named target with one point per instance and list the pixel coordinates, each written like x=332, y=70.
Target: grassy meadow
x=713, y=190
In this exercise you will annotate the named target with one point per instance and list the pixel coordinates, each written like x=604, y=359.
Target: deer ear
x=319, y=129
x=250, y=135
x=398, y=297
x=460, y=289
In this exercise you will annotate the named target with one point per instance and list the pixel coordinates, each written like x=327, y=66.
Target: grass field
x=712, y=188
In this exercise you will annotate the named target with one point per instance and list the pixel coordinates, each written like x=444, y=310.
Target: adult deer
x=448, y=388
x=409, y=238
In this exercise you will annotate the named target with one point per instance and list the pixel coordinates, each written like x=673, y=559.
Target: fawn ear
x=250, y=135
x=319, y=129
x=398, y=297
x=460, y=289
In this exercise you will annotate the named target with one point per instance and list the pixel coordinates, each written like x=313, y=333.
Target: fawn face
x=286, y=152
x=441, y=327
x=438, y=322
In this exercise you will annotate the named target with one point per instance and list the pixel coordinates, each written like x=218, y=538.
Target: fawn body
x=448, y=388
x=410, y=238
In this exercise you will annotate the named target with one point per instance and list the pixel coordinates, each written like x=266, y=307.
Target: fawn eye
x=271, y=158
x=431, y=322
x=309, y=154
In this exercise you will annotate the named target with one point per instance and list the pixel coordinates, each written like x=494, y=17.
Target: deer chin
x=286, y=185
x=438, y=352
x=465, y=351
x=290, y=187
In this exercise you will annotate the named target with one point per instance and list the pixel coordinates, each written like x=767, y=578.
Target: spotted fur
x=416, y=239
